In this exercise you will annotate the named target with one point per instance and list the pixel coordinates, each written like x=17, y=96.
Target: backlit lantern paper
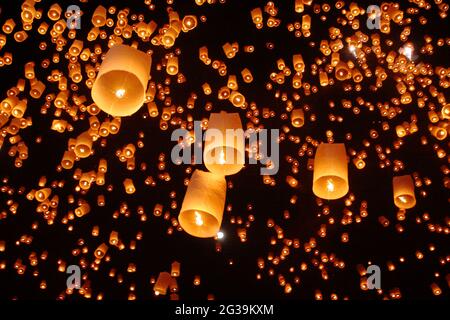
x=404, y=197
x=330, y=178
x=162, y=283
x=202, y=210
x=121, y=83
x=224, y=152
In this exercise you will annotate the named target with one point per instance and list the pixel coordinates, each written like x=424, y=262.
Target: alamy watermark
x=373, y=21
x=189, y=149
x=73, y=17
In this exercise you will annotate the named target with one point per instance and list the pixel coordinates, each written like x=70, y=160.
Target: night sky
x=228, y=267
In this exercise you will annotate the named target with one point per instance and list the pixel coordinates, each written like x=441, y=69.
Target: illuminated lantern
x=113, y=238
x=330, y=178
x=297, y=118
x=224, y=152
x=162, y=283
x=101, y=250
x=247, y=75
x=121, y=83
x=446, y=111
x=68, y=160
x=202, y=209
x=189, y=23
x=82, y=210
x=401, y=131
x=54, y=13
x=129, y=186
x=83, y=145
x=439, y=131
x=172, y=66
x=404, y=197
x=306, y=22
x=257, y=15
x=43, y=194
x=175, y=271
x=237, y=99
x=37, y=89
x=323, y=78
x=342, y=71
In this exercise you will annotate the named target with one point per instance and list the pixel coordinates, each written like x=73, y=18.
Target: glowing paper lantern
x=297, y=118
x=202, y=209
x=404, y=197
x=162, y=283
x=122, y=80
x=224, y=152
x=330, y=178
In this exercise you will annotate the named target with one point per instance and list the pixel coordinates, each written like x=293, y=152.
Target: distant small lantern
x=121, y=83
x=330, y=178
x=202, y=210
x=404, y=197
x=224, y=152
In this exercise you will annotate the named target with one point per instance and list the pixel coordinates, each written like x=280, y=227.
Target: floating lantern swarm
x=330, y=180
x=202, y=209
x=121, y=83
x=224, y=144
x=404, y=197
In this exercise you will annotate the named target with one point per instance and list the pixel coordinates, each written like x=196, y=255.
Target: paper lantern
x=83, y=145
x=43, y=194
x=82, y=210
x=175, y=270
x=189, y=23
x=99, y=17
x=202, y=209
x=101, y=250
x=224, y=152
x=330, y=177
x=342, y=71
x=68, y=159
x=404, y=197
x=162, y=283
x=121, y=83
x=172, y=66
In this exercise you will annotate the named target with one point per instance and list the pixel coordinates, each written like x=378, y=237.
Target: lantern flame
x=120, y=93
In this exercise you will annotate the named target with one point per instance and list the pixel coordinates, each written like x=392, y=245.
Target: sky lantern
x=202, y=209
x=121, y=83
x=330, y=180
x=224, y=144
x=404, y=197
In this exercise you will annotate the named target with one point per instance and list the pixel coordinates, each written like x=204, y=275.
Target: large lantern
x=202, y=209
x=404, y=197
x=162, y=283
x=330, y=178
x=224, y=152
x=121, y=83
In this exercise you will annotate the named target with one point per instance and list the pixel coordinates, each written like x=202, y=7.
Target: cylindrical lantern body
x=224, y=152
x=297, y=118
x=121, y=83
x=404, y=197
x=330, y=178
x=202, y=209
x=162, y=283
